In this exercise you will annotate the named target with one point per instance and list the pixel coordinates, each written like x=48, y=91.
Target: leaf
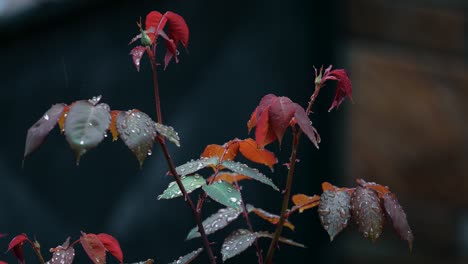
x=381, y=190
x=264, y=135
x=306, y=125
x=398, y=217
x=265, y=103
x=247, y=171
x=215, y=150
x=61, y=121
x=326, y=186
x=236, y=243
x=137, y=131
x=16, y=245
x=305, y=202
x=112, y=245
x=169, y=133
x=216, y=221
x=367, y=213
x=188, y=258
x=343, y=89
x=224, y=193
x=93, y=247
x=281, y=239
x=157, y=21
x=272, y=218
x=252, y=121
x=196, y=165
x=39, y=131
x=86, y=125
x=249, y=149
x=229, y=177
x=113, y=124
x=281, y=112
x=334, y=211
x=191, y=183
x=63, y=254
x=177, y=28
x=137, y=53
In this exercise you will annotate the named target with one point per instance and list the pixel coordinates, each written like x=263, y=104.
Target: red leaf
x=252, y=121
x=343, y=89
x=16, y=245
x=112, y=245
x=367, y=212
x=281, y=112
x=398, y=216
x=263, y=133
x=93, y=247
x=265, y=102
x=137, y=52
x=155, y=20
x=306, y=125
x=3, y=262
x=177, y=29
x=250, y=150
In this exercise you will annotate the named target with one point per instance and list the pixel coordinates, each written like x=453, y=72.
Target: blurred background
x=406, y=129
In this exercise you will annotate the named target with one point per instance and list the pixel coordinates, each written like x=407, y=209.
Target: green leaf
x=190, y=183
x=169, y=133
x=281, y=239
x=334, y=211
x=137, y=131
x=224, y=193
x=188, y=258
x=236, y=243
x=215, y=222
x=86, y=125
x=247, y=171
x=196, y=165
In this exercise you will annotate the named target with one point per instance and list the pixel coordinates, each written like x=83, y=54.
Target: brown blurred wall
x=409, y=66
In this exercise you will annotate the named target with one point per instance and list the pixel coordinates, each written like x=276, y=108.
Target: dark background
x=407, y=129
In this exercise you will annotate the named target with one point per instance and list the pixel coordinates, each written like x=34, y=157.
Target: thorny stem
x=196, y=213
x=289, y=181
x=37, y=250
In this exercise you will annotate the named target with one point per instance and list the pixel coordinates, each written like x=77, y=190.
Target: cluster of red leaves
x=94, y=245
x=344, y=87
x=368, y=205
x=274, y=115
x=177, y=32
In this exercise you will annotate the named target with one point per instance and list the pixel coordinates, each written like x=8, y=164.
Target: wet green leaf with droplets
x=398, y=218
x=63, y=254
x=137, y=131
x=190, y=183
x=334, y=211
x=236, y=243
x=247, y=171
x=86, y=125
x=169, y=133
x=188, y=258
x=281, y=239
x=224, y=193
x=367, y=213
x=196, y=165
x=215, y=222
x=39, y=131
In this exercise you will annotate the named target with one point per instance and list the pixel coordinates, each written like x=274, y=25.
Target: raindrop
x=46, y=117
x=233, y=199
x=149, y=152
x=81, y=142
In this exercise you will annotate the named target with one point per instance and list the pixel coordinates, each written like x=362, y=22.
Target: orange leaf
x=251, y=151
x=61, y=121
x=274, y=219
x=229, y=177
x=305, y=202
x=214, y=150
x=380, y=189
x=252, y=121
x=113, y=125
x=326, y=186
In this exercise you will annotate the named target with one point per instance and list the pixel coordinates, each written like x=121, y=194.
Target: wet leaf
x=216, y=221
x=169, y=133
x=281, y=112
x=264, y=135
x=247, y=171
x=305, y=202
x=196, y=165
x=272, y=218
x=326, y=186
x=16, y=245
x=39, y=131
x=224, y=193
x=191, y=183
x=252, y=152
x=112, y=245
x=188, y=258
x=398, y=218
x=281, y=239
x=334, y=211
x=93, y=247
x=177, y=31
x=306, y=125
x=381, y=190
x=214, y=150
x=236, y=243
x=137, y=53
x=63, y=254
x=137, y=131
x=86, y=125
x=367, y=213
x=229, y=177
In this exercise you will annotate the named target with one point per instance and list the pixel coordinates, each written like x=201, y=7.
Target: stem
x=196, y=213
x=289, y=181
x=37, y=250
